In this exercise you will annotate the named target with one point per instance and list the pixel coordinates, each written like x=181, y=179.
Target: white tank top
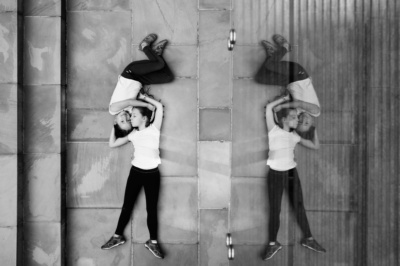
x=124, y=90
x=146, y=144
x=303, y=90
x=281, y=149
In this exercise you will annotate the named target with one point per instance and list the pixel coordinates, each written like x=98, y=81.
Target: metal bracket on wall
x=229, y=245
x=231, y=39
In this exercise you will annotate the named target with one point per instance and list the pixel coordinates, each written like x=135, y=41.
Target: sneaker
x=312, y=244
x=159, y=47
x=154, y=248
x=114, y=242
x=149, y=39
x=280, y=40
x=272, y=250
x=269, y=47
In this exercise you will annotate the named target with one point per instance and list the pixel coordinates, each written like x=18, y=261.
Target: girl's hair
x=144, y=111
x=283, y=113
x=309, y=134
x=120, y=133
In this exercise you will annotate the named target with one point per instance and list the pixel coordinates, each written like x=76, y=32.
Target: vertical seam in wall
x=198, y=132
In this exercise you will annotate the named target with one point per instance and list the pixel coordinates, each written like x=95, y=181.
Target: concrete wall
x=10, y=132
x=214, y=139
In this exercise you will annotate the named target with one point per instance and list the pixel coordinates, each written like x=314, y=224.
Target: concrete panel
x=88, y=230
x=215, y=124
x=214, y=174
x=174, y=255
x=89, y=125
x=8, y=241
x=97, y=174
x=42, y=49
x=177, y=212
x=9, y=5
x=215, y=5
x=9, y=46
x=214, y=58
x=251, y=255
x=335, y=231
x=328, y=177
x=175, y=20
x=181, y=59
x=42, y=197
x=213, y=230
x=43, y=8
x=96, y=5
x=250, y=213
x=42, y=119
x=8, y=190
x=42, y=244
x=98, y=50
x=178, y=144
x=9, y=117
x=252, y=19
x=250, y=142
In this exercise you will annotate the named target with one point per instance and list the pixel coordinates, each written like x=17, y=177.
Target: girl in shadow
x=282, y=174
x=297, y=82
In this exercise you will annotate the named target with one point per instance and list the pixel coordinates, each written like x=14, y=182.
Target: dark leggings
x=276, y=72
x=277, y=182
x=152, y=71
x=150, y=180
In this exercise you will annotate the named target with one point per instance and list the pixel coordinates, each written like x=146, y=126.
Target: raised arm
x=118, y=106
x=116, y=142
x=308, y=107
x=269, y=114
x=311, y=144
x=159, y=110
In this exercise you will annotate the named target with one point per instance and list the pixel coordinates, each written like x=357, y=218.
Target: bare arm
x=311, y=144
x=269, y=115
x=118, y=106
x=114, y=142
x=308, y=107
x=159, y=110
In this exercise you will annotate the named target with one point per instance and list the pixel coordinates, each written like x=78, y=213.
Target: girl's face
x=123, y=120
x=305, y=122
x=137, y=119
x=291, y=120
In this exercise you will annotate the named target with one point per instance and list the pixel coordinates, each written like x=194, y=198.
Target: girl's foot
x=281, y=41
x=148, y=40
x=114, y=242
x=159, y=47
x=268, y=47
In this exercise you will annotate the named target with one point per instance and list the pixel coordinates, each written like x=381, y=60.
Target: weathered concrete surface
x=39, y=251
x=9, y=142
x=42, y=186
x=215, y=124
x=8, y=190
x=91, y=229
x=42, y=119
x=213, y=229
x=214, y=174
x=42, y=49
x=9, y=45
x=43, y=8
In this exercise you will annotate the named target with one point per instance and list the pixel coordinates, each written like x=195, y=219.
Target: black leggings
x=276, y=72
x=152, y=71
x=150, y=180
x=277, y=182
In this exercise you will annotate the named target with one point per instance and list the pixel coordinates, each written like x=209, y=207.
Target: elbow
x=111, y=145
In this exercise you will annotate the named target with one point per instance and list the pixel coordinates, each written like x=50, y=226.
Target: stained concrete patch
x=8, y=47
x=9, y=116
x=215, y=124
x=8, y=190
